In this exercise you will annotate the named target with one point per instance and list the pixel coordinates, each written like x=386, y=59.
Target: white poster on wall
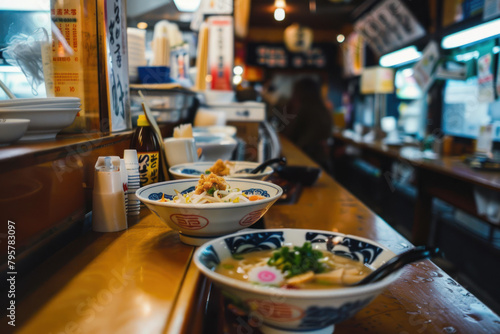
x=485, y=78
x=113, y=36
x=423, y=71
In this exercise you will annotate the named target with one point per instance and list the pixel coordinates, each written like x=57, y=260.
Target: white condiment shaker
x=108, y=199
x=134, y=182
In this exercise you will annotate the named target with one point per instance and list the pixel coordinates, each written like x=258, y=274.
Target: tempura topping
x=210, y=183
x=222, y=168
x=212, y=189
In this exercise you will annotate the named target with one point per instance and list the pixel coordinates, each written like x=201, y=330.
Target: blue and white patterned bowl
x=198, y=223
x=284, y=310
x=194, y=169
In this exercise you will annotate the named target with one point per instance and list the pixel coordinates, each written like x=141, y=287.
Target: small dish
x=193, y=170
x=11, y=130
x=45, y=123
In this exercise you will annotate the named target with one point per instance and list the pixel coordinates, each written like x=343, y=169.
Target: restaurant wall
x=47, y=193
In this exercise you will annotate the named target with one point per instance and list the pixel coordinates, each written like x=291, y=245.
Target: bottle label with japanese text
x=148, y=167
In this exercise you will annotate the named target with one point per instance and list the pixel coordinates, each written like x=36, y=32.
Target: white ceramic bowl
x=41, y=102
x=44, y=123
x=215, y=129
x=289, y=310
x=193, y=170
x=198, y=223
x=12, y=130
x=215, y=146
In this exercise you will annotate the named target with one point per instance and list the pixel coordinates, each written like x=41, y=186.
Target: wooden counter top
x=448, y=178
x=447, y=165
x=123, y=282
x=142, y=280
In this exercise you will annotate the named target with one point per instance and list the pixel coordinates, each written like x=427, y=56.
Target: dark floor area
x=470, y=245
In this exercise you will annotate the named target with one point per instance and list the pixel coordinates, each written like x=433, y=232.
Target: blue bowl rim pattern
x=178, y=169
x=214, y=206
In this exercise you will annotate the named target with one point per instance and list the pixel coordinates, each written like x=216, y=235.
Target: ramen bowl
x=199, y=223
x=292, y=310
x=240, y=170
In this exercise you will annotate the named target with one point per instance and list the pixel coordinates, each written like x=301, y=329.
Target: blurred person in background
x=308, y=121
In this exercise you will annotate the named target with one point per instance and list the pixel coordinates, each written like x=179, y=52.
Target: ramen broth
x=338, y=271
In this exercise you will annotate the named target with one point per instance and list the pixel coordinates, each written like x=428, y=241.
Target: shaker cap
x=142, y=120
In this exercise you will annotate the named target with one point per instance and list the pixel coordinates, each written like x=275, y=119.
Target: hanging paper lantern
x=298, y=38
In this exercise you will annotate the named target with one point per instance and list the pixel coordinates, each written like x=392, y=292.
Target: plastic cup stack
x=132, y=166
x=124, y=175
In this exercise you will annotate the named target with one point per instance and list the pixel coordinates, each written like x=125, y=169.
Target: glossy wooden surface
x=445, y=177
x=122, y=282
x=142, y=280
x=424, y=300
x=40, y=173
x=452, y=166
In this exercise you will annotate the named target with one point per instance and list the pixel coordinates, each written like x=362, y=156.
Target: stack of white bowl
x=136, y=52
x=47, y=116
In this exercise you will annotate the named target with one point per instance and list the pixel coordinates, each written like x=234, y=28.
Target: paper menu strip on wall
x=202, y=58
x=423, y=71
x=112, y=24
x=220, y=51
x=68, y=72
x=74, y=57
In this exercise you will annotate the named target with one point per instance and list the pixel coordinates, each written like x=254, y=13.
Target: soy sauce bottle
x=146, y=144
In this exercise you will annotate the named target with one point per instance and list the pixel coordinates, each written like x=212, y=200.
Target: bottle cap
x=108, y=164
x=142, y=120
x=130, y=157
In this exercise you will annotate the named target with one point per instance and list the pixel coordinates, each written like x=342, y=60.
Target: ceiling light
x=238, y=70
x=187, y=5
x=142, y=25
x=237, y=79
x=279, y=14
x=280, y=3
x=340, y=38
x=471, y=35
x=400, y=57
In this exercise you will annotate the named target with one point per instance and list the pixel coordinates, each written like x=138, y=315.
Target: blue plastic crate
x=154, y=74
